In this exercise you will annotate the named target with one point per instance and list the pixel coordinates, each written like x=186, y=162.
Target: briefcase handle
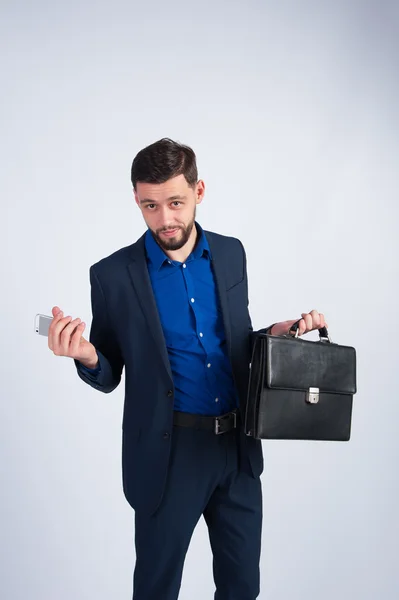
x=323, y=332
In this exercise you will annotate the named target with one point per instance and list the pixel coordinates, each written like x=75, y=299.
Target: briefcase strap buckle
x=313, y=395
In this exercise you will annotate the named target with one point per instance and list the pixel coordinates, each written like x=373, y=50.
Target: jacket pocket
x=234, y=285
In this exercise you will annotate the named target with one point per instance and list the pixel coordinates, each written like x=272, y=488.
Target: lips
x=170, y=233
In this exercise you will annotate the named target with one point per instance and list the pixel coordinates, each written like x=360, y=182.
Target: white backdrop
x=292, y=109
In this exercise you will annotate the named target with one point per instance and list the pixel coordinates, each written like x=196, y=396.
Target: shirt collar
x=157, y=256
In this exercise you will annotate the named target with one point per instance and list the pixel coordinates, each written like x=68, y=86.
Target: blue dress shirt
x=192, y=323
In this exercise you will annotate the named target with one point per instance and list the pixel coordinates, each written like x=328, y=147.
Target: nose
x=166, y=219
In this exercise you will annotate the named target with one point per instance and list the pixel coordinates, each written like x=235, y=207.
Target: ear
x=136, y=198
x=200, y=192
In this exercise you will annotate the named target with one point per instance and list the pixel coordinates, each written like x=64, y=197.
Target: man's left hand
x=309, y=322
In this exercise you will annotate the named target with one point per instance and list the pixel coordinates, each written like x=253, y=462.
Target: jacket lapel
x=218, y=270
x=141, y=281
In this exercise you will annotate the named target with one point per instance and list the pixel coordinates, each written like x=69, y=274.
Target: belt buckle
x=218, y=419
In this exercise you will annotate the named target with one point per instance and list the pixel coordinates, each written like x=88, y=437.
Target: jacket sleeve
x=107, y=375
x=252, y=333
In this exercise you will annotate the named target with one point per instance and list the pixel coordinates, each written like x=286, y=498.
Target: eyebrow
x=171, y=198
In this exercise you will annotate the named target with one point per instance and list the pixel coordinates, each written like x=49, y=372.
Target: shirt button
x=184, y=266
x=166, y=435
x=170, y=393
x=192, y=300
x=208, y=365
x=201, y=335
x=216, y=399
x=169, y=262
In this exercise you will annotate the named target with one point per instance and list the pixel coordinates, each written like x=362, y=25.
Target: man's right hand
x=65, y=339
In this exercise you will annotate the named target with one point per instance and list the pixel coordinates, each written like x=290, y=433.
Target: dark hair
x=163, y=160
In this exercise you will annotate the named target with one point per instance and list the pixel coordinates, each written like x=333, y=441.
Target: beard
x=178, y=240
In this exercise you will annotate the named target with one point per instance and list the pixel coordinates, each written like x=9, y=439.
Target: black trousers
x=203, y=479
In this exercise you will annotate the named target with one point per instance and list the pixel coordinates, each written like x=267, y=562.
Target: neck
x=185, y=251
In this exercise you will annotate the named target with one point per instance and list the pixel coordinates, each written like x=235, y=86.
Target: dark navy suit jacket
x=126, y=332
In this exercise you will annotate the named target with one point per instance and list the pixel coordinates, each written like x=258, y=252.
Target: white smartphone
x=42, y=324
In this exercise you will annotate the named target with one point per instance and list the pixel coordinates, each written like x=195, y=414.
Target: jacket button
x=170, y=393
x=166, y=435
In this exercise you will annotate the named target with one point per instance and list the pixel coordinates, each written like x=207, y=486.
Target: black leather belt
x=218, y=425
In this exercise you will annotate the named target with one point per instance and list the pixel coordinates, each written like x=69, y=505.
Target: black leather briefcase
x=300, y=389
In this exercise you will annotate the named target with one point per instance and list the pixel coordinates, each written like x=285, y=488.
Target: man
x=172, y=308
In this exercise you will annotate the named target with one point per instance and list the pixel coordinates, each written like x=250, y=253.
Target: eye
x=176, y=202
x=149, y=206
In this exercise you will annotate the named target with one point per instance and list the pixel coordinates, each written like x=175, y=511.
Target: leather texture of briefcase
x=300, y=389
